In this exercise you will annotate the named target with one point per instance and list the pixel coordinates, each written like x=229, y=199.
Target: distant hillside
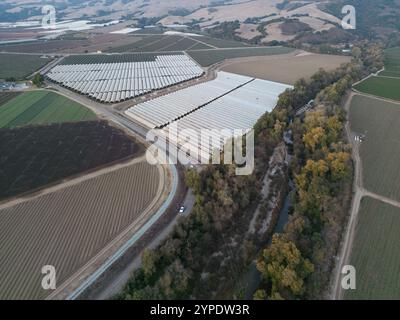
x=253, y=21
x=16, y=10
x=375, y=18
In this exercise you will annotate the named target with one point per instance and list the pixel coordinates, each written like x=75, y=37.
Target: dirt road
x=355, y=206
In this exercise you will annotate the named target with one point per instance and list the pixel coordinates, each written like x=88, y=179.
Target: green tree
x=38, y=80
x=260, y=295
x=149, y=260
x=339, y=164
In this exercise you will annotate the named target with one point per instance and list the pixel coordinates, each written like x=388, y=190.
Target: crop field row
x=199, y=46
x=19, y=66
x=387, y=83
x=221, y=43
x=114, y=58
x=184, y=44
x=208, y=57
x=380, y=152
x=392, y=63
x=44, y=46
x=176, y=43
x=375, y=252
x=34, y=156
x=137, y=45
x=160, y=43
x=167, y=43
x=41, y=107
x=381, y=87
x=78, y=43
x=7, y=96
x=69, y=227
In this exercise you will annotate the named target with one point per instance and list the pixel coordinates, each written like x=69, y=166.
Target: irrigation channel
x=253, y=276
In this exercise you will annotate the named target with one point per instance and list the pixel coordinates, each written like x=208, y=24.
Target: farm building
x=10, y=86
x=230, y=102
x=114, y=81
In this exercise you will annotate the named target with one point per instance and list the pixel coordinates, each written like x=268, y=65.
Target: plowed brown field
x=285, y=68
x=68, y=227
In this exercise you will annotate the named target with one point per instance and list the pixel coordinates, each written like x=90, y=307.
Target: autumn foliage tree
x=298, y=262
x=284, y=266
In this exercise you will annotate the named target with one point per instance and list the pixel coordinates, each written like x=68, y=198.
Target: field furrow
x=68, y=227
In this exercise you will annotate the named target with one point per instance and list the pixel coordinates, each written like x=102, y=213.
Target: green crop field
x=208, y=57
x=380, y=86
x=375, y=253
x=389, y=73
x=19, y=66
x=7, y=96
x=380, y=152
x=113, y=58
x=392, y=63
x=41, y=107
x=387, y=84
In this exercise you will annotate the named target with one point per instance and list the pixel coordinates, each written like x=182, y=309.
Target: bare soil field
x=285, y=68
x=274, y=32
x=147, y=8
x=248, y=31
x=233, y=12
x=260, y=11
x=12, y=34
x=316, y=24
x=71, y=227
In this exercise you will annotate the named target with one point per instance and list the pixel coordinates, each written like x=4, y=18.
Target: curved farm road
x=118, y=282
x=139, y=132
x=359, y=193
